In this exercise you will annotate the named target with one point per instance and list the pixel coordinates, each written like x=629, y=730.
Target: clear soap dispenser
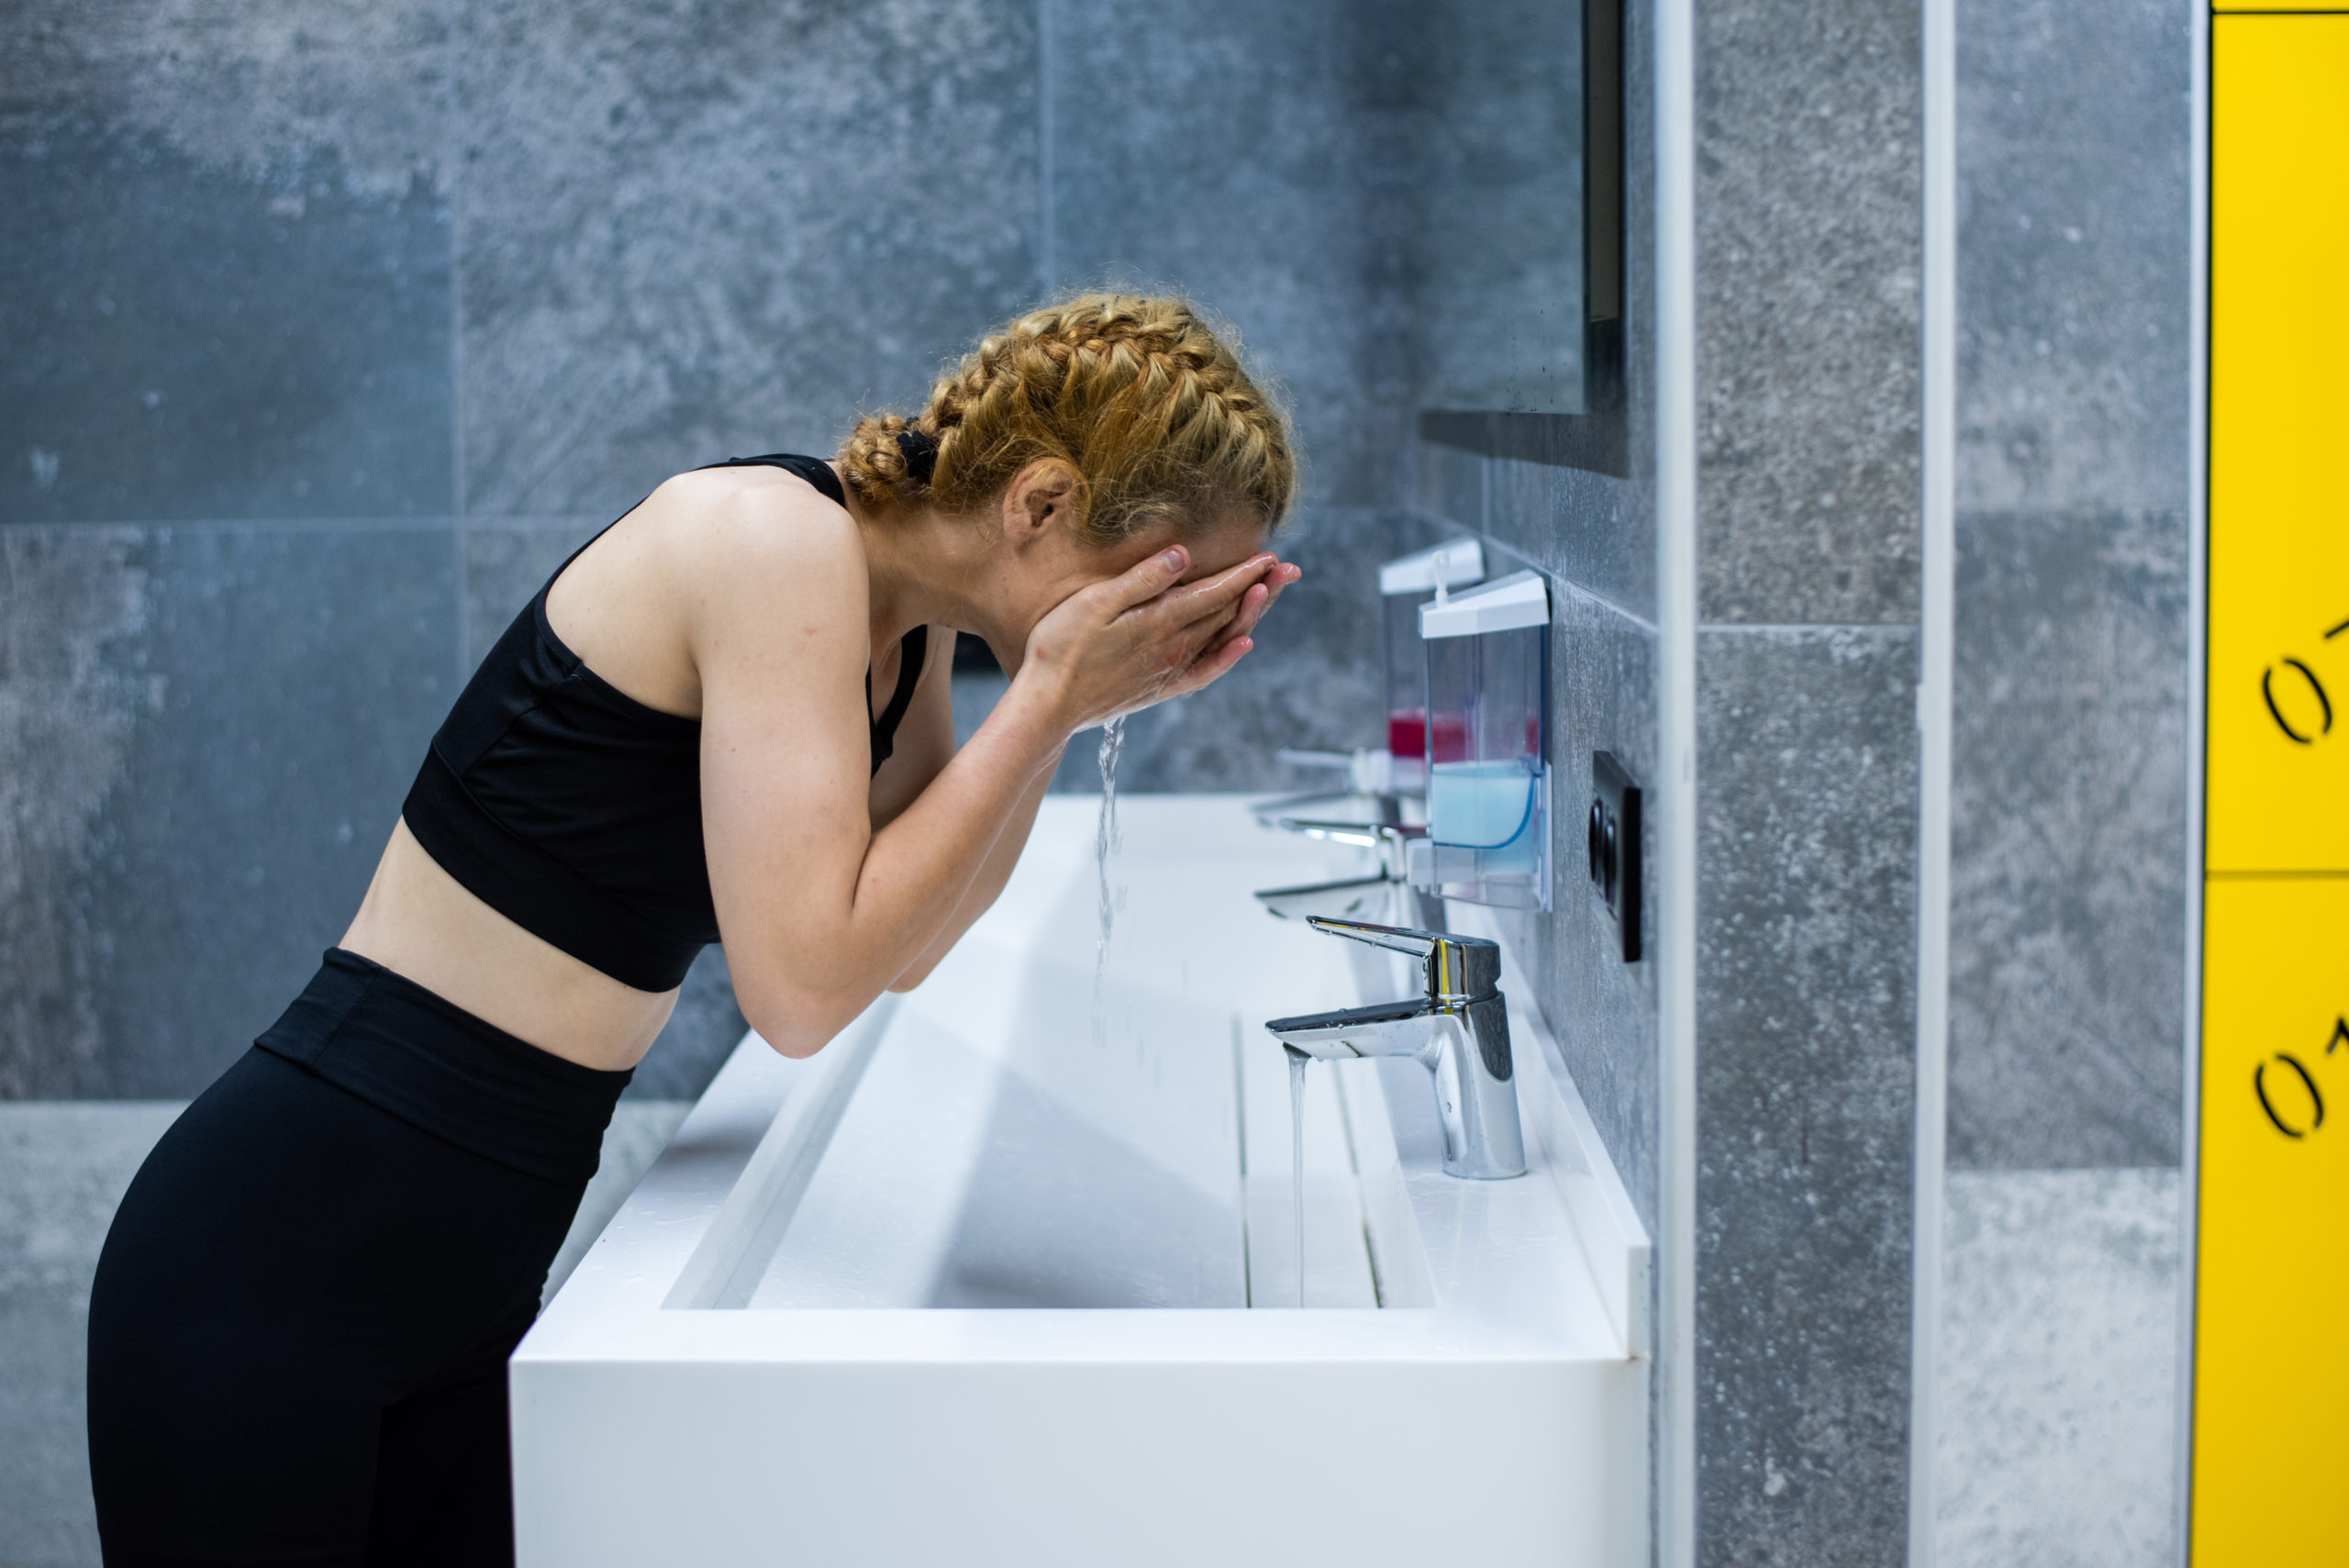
x=1404, y=586
x=1486, y=655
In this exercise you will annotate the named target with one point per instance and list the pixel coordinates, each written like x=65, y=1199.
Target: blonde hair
x=1150, y=407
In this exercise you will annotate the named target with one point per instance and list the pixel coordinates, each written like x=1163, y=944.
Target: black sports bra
x=575, y=810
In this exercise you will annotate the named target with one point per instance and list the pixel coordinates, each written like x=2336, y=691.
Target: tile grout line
x=1675, y=1542
x=1047, y=216
x=2197, y=609
x=1935, y=721
x=453, y=150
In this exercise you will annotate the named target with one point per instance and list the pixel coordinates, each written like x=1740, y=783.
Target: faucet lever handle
x=1401, y=939
x=1458, y=968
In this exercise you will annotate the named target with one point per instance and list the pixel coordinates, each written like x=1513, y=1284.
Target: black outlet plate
x=1613, y=831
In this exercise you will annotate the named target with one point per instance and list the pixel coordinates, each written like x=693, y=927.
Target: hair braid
x=1153, y=411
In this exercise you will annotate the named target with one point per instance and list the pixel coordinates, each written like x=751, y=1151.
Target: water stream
x=1297, y=1060
x=1106, y=841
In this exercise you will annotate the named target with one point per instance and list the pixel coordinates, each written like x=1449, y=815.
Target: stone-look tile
x=188, y=341
x=209, y=731
x=227, y=287
x=2058, y=1372
x=2068, y=920
x=506, y=565
x=238, y=84
x=1587, y=528
x=1209, y=147
x=1806, y=1039
x=1601, y=1010
x=1808, y=227
x=724, y=227
x=63, y=1169
x=1450, y=484
x=2073, y=254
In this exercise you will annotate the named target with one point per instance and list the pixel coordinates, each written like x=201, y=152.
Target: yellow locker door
x=2271, y=1357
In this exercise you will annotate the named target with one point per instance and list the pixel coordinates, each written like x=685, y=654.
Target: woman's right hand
x=1138, y=638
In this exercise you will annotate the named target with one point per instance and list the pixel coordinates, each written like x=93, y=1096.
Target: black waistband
x=427, y=1061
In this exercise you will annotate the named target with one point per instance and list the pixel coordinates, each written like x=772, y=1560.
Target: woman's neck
x=923, y=569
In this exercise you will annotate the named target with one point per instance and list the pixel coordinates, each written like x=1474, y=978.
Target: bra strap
x=814, y=470
x=911, y=653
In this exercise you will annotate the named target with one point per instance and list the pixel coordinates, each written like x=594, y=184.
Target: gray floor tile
x=2057, y=1386
x=63, y=1167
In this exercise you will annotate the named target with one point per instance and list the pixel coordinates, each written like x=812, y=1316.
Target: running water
x=1106, y=841
x=1297, y=1060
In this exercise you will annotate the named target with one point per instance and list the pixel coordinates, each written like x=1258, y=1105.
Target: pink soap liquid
x=1407, y=732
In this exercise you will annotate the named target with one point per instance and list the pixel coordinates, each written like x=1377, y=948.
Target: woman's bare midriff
x=420, y=922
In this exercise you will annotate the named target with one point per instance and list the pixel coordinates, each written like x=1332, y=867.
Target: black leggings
x=301, y=1321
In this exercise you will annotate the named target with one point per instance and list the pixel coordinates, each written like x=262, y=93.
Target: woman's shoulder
x=724, y=524
x=755, y=547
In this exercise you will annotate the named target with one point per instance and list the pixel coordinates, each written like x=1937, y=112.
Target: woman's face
x=1050, y=559
x=1066, y=564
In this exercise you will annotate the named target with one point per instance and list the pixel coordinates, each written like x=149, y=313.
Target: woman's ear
x=1041, y=499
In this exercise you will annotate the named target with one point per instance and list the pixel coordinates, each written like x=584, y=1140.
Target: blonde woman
x=727, y=716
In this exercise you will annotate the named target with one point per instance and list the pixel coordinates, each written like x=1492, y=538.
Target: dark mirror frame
x=1600, y=438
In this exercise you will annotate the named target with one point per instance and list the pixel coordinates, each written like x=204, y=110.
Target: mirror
x=1503, y=275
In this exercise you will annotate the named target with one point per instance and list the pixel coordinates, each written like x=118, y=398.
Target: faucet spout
x=1457, y=1029
x=1346, y=1034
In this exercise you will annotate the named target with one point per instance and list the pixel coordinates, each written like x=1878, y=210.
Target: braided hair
x=1150, y=407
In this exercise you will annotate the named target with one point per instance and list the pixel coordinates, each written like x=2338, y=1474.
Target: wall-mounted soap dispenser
x=1488, y=780
x=1405, y=587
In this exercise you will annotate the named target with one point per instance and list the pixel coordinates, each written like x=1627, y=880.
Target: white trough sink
x=1004, y=1275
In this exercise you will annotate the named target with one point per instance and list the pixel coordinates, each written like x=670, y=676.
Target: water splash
x=1297, y=1060
x=1106, y=841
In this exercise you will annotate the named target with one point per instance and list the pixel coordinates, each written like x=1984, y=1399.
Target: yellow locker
x=2271, y=1368
x=2279, y=444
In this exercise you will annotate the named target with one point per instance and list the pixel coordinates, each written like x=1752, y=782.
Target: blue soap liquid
x=1485, y=805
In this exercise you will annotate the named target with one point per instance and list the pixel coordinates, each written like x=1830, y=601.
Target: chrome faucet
x=1388, y=893
x=1458, y=1029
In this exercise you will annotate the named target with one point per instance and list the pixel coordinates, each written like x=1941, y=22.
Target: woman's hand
x=1234, y=641
x=1138, y=638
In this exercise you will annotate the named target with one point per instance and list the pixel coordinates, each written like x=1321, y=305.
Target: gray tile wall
x=1806, y=999
x=1808, y=230
x=2067, y=926
x=400, y=304
x=1808, y=238
x=1808, y=224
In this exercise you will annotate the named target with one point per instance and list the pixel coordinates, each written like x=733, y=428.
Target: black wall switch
x=1615, y=860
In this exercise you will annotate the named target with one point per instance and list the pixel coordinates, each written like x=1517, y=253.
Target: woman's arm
x=925, y=745
x=821, y=911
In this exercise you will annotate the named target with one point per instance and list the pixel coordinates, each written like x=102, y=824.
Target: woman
x=727, y=714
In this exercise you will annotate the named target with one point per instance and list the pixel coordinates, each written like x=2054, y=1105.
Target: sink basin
x=1008, y=1272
